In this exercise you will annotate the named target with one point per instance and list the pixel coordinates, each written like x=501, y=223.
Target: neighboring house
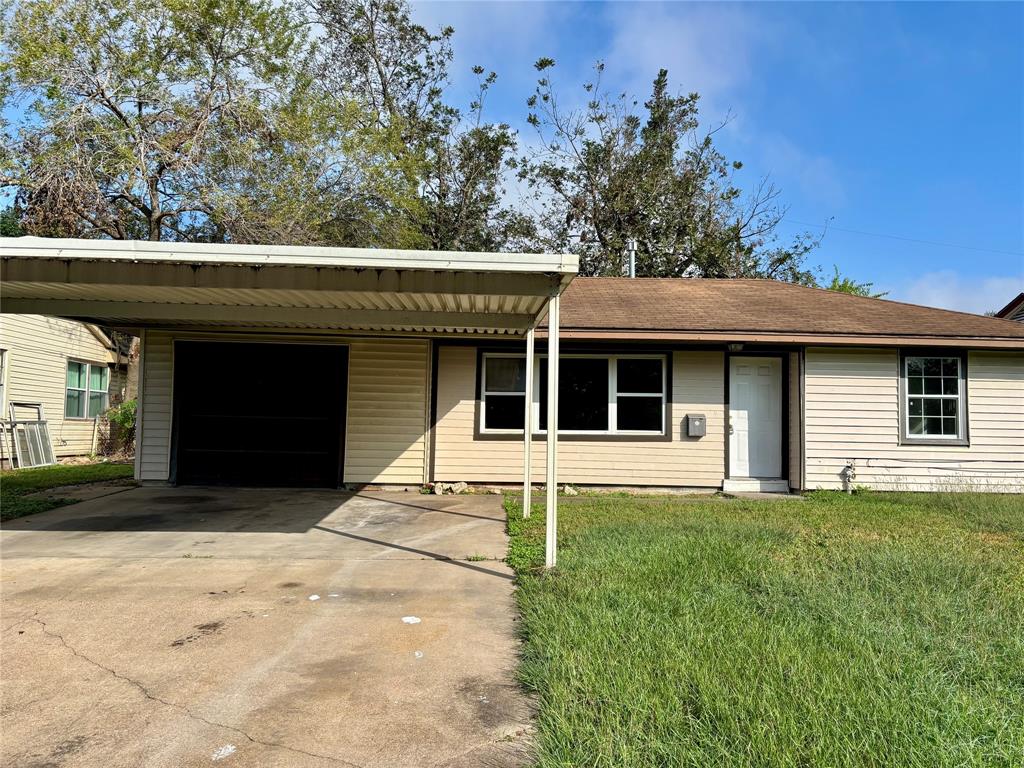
x=1014, y=310
x=313, y=366
x=72, y=369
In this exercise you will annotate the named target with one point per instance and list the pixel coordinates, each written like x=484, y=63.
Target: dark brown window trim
x=964, y=439
x=667, y=436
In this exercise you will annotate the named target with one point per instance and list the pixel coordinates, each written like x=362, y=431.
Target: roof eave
x=1012, y=307
x=761, y=337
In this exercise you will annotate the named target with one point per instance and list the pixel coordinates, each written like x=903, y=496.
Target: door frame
x=189, y=338
x=783, y=357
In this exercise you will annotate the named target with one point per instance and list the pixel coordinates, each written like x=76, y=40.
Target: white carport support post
x=551, y=543
x=528, y=424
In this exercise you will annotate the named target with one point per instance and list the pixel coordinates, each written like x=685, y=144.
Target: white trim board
x=221, y=253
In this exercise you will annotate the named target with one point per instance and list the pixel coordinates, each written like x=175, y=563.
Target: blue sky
x=904, y=120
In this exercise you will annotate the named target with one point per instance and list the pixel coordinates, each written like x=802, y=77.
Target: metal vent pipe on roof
x=631, y=249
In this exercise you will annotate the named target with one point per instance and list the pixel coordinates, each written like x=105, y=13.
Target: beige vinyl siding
x=388, y=385
x=154, y=441
x=386, y=419
x=38, y=350
x=697, y=387
x=852, y=412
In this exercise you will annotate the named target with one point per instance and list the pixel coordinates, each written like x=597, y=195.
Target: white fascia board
x=256, y=255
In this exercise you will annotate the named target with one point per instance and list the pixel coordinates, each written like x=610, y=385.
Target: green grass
x=873, y=630
x=16, y=484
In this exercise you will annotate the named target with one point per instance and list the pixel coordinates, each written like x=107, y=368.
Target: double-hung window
x=640, y=394
x=598, y=394
x=504, y=392
x=86, y=391
x=934, y=407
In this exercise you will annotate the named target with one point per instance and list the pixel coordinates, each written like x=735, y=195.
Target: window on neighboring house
x=86, y=392
x=934, y=407
x=598, y=394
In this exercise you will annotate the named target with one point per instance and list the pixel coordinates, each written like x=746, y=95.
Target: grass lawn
x=873, y=630
x=15, y=484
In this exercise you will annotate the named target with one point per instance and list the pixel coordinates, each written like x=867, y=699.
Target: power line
x=905, y=239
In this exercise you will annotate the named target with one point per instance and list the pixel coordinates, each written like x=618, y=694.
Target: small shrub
x=120, y=437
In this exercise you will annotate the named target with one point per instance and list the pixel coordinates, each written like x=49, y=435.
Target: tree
x=374, y=51
x=191, y=119
x=610, y=172
x=9, y=224
x=851, y=286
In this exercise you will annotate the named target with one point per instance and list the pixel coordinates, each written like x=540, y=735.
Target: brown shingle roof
x=752, y=309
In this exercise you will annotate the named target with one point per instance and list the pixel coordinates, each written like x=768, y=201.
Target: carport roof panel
x=135, y=284
x=286, y=255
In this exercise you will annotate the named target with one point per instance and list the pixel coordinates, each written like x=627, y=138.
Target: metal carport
x=138, y=285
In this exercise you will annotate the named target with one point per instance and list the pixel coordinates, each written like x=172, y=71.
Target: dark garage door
x=259, y=414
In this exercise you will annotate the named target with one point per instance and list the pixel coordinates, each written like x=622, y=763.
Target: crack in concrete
x=19, y=623
x=181, y=707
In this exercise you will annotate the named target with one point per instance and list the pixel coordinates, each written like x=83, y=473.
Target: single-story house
x=328, y=367
x=73, y=370
x=1014, y=310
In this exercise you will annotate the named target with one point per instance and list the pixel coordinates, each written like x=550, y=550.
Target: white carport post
x=551, y=542
x=528, y=423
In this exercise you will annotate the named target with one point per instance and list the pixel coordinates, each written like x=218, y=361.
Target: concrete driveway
x=190, y=626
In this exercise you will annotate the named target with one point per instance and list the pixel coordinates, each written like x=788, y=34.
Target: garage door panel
x=259, y=414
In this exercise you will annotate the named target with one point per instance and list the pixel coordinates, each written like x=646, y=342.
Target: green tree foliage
x=178, y=119
x=9, y=224
x=330, y=122
x=399, y=70
x=610, y=172
x=849, y=285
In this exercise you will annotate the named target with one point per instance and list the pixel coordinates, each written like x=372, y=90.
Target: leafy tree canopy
x=849, y=285
x=179, y=119
x=9, y=224
x=331, y=122
x=611, y=172
x=399, y=70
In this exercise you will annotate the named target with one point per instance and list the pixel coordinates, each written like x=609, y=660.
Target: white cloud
x=816, y=176
x=705, y=48
x=714, y=50
x=951, y=290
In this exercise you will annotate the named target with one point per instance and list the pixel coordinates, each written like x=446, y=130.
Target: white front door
x=755, y=417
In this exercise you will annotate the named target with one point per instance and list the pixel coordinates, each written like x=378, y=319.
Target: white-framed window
x=934, y=407
x=503, y=393
x=598, y=394
x=85, y=395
